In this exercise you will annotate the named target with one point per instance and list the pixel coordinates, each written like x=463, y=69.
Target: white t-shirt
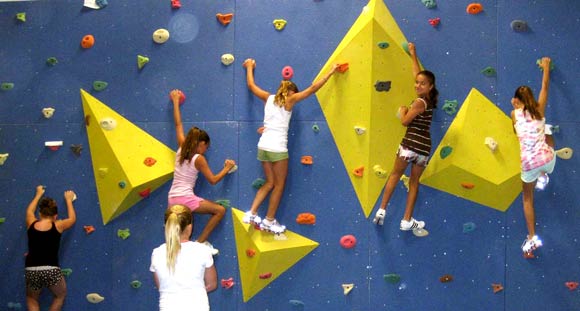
x=276, y=123
x=185, y=288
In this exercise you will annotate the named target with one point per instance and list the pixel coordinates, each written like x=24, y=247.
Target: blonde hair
x=177, y=217
x=282, y=93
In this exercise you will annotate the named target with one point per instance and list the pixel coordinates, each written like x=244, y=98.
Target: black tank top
x=43, y=247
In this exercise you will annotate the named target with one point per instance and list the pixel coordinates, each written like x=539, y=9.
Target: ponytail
x=177, y=217
x=282, y=93
x=433, y=93
x=526, y=96
x=189, y=146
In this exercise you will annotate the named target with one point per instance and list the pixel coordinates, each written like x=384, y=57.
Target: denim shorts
x=269, y=156
x=533, y=174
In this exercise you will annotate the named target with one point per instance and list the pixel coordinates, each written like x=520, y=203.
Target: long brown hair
x=189, y=146
x=177, y=217
x=47, y=207
x=282, y=93
x=526, y=96
x=433, y=93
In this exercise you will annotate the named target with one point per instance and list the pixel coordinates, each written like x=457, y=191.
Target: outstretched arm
x=175, y=97
x=250, y=64
x=30, y=216
x=202, y=166
x=543, y=97
x=413, y=53
x=295, y=98
x=68, y=222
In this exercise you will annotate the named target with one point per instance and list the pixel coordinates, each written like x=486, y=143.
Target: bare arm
x=407, y=115
x=210, y=278
x=296, y=97
x=175, y=97
x=64, y=224
x=202, y=166
x=250, y=64
x=30, y=216
x=543, y=97
x=513, y=116
x=156, y=280
x=413, y=53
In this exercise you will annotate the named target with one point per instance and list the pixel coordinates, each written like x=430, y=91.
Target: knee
x=268, y=186
x=220, y=211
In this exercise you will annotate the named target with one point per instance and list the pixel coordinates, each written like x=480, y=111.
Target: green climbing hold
x=405, y=46
x=430, y=4
x=488, y=71
x=51, y=61
x=123, y=233
x=100, y=85
x=66, y=271
x=445, y=152
x=136, y=284
x=450, y=106
x=316, y=128
x=539, y=62
x=6, y=86
x=258, y=183
x=223, y=202
x=2, y=220
x=142, y=60
x=122, y=184
x=21, y=16
x=392, y=278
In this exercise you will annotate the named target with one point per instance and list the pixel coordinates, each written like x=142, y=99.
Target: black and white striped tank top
x=418, y=135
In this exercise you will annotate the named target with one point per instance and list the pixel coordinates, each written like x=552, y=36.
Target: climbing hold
x=306, y=219
x=87, y=42
x=224, y=19
x=279, y=24
x=53, y=145
x=223, y=202
x=342, y=68
x=3, y=158
x=383, y=86
x=551, y=129
x=491, y=143
x=467, y=185
x=175, y=4
x=405, y=179
x=95, y=298
x=315, y=128
x=296, y=303
x=392, y=278
x=359, y=171
x=181, y=97
x=564, y=153
x=360, y=130
x=51, y=61
x=474, y=8
x=488, y=71
x=48, y=112
x=122, y=184
x=6, y=86
x=468, y=227
x=405, y=46
x=450, y=106
x=250, y=252
x=529, y=255
x=571, y=285
x=306, y=160
x=445, y=152
x=420, y=232
x=89, y=229
x=264, y=276
x=227, y=283
x=87, y=119
x=430, y=4
x=446, y=278
x=348, y=241
x=379, y=171
x=100, y=85
x=145, y=192
x=2, y=220
x=136, y=284
x=123, y=233
x=287, y=73
x=142, y=61
x=383, y=45
x=101, y=3
x=103, y=171
x=258, y=183
x=346, y=288
x=66, y=272
x=233, y=169
x=519, y=25
x=14, y=305
x=108, y=124
x=149, y=161
x=160, y=36
x=21, y=16
x=496, y=287
x=539, y=62
x=76, y=149
x=227, y=59
x=435, y=21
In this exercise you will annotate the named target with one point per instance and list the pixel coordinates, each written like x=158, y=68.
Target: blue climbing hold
x=122, y=185
x=383, y=45
x=296, y=303
x=102, y=3
x=316, y=128
x=450, y=106
x=445, y=152
x=468, y=227
x=383, y=86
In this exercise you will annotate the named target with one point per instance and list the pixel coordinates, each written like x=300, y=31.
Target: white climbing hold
x=48, y=112
x=565, y=153
x=491, y=143
x=108, y=124
x=233, y=169
x=161, y=36
x=95, y=298
x=227, y=59
x=346, y=288
x=3, y=157
x=360, y=130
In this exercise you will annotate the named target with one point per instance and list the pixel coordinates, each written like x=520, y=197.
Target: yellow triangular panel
x=351, y=100
x=472, y=170
x=271, y=254
x=119, y=156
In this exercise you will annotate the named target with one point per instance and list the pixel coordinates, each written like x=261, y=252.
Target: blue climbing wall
x=218, y=101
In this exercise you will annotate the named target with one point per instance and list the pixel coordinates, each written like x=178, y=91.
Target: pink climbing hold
x=228, y=283
x=181, y=97
x=348, y=241
x=287, y=73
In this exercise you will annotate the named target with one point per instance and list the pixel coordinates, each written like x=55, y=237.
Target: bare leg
x=265, y=189
x=59, y=292
x=416, y=172
x=529, y=214
x=280, y=170
x=217, y=213
x=398, y=170
x=32, y=299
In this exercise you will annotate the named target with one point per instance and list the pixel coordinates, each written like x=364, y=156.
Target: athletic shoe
x=272, y=226
x=531, y=244
x=379, y=217
x=542, y=182
x=412, y=224
x=214, y=251
x=252, y=219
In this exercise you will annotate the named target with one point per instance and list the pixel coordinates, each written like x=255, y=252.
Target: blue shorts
x=533, y=174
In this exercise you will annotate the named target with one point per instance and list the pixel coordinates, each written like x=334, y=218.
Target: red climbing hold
x=474, y=8
x=224, y=19
x=250, y=252
x=571, y=285
x=348, y=241
x=306, y=219
x=145, y=193
x=149, y=161
x=434, y=21
x=175, y=4
x=89, y=229
x=228, y=283
x=266, y=275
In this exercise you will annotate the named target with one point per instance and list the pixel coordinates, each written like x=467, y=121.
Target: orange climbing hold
x=306, y=219
x=149, y=161
x=474, y=8
x=571, y=285
x=89, y=229
x=307, y=160
x=88, y=41
x=264, y=276
x=467, y=185
x=342, y=68
x=358, y=172
x=250, y=252
x=224, y=19
x=496, y=287
x=446, y=278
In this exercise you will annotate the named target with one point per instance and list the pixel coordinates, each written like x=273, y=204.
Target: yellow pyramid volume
x=128, y=163
x=262, y=256
x=465, y=166
x=373, y=49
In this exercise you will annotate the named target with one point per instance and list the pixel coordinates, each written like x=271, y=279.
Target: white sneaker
x=252, y=219
x=412, y=224
x=379, y=217
x=542, y=182
x=531, y=244
x=214, y=251
x=272, y=226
